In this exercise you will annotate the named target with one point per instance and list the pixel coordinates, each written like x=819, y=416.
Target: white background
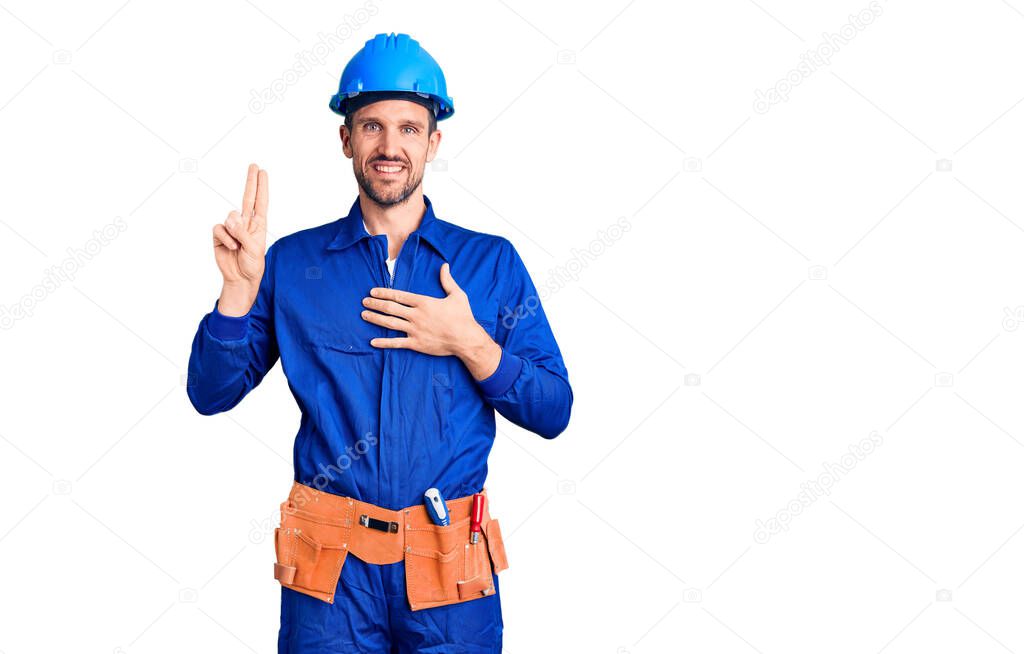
x=793, y=282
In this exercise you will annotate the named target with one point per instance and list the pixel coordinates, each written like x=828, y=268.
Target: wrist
x=478, y=352
x=236, y=299
x=504, y=376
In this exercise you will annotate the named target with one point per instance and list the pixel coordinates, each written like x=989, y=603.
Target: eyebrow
x=406, y=121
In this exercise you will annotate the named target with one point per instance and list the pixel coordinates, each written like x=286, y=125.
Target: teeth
x=388, y=169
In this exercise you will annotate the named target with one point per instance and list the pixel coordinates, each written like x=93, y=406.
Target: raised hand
x=239, y=246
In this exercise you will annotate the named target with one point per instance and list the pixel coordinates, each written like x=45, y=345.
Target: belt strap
x=386, y=526
x=370, y=532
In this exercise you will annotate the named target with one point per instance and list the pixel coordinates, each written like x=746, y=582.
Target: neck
x=397, y=221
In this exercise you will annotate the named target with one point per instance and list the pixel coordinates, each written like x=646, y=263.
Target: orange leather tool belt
x=319, y=530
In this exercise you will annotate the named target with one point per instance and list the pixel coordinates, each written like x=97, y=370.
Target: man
x=400, y=334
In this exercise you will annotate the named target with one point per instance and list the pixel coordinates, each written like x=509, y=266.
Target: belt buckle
x=386, y=526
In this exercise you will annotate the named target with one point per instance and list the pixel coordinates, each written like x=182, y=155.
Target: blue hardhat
x=395, y=63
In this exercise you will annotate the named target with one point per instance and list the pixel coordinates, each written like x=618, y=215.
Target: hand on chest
x=326, y=304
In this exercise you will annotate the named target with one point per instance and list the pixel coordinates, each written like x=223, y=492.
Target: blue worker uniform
x=384, y=425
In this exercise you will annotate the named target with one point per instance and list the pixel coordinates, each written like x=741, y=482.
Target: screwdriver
x=477, y=517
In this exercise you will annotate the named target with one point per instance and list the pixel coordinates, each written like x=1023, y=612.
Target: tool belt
x=319, y=530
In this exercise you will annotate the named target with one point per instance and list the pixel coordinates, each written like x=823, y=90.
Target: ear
x=433, y=144
x=346, y=141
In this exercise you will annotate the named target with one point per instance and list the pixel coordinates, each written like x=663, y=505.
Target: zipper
x=390, y=279
x=384, y=442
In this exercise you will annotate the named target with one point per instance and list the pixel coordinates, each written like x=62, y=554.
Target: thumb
x=447, y=281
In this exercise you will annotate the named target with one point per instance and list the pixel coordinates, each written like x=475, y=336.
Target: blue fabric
x=384, y=425
x=508, y=369
x=371, y=614
x=228, y=327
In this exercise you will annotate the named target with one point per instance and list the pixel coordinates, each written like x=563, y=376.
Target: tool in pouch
x=436, y=507
x=476, y=518
x=320, y=530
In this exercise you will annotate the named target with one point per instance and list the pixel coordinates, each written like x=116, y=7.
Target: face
x=389, y=148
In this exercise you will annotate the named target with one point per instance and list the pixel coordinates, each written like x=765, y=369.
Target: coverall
x=383, y=425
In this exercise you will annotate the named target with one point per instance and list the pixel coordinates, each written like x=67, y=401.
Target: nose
x=389, y=146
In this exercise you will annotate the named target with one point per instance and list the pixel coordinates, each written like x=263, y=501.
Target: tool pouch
x=311, y=549
x=443, y=567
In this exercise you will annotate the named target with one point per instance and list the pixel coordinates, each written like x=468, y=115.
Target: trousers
x=370, y=614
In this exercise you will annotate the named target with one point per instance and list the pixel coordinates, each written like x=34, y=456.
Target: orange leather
x=319, y=530
x=495, y=546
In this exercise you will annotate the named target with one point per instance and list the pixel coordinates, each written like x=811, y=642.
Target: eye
x=412, y=130
x=372, y=126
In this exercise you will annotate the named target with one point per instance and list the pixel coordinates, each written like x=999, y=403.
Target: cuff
x=501, y=379
x=227, y=328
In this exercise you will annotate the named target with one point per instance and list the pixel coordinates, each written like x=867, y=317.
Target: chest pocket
x=340, y=339
x=450, y=380
x=340, y=328
x=334, y=330
x=321, y=306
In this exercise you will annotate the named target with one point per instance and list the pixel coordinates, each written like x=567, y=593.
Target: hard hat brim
x=350, y=103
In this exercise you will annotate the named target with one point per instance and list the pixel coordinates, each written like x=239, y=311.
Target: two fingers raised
x=256, y=198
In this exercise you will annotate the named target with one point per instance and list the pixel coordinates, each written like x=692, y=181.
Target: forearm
x=230, y=355
x=529, y=395
x=524, y=392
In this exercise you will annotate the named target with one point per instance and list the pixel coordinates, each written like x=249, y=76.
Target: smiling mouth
x=387, y=170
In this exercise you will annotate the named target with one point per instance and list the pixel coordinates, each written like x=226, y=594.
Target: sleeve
x=231, y=355
x=531, y=385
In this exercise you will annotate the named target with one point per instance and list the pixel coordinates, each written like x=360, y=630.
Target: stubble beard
x=387, y=195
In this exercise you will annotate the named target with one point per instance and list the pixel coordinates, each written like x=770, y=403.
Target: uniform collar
x=352, y=229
